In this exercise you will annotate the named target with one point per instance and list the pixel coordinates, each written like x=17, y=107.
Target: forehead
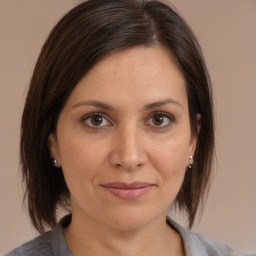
x=139, y=73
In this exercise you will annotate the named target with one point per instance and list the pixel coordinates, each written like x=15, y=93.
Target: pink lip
x=128, y=191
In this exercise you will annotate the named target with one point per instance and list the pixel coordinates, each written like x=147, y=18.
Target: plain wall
x=226, y=30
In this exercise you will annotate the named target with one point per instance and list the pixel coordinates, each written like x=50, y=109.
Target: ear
x=54, y=147
x=194, y=136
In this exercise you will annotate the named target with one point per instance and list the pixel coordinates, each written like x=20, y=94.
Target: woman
x=117, y=126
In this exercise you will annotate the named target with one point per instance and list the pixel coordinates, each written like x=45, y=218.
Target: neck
x=86, y=237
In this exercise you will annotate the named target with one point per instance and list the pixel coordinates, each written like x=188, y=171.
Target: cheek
x=171, y=166
x=170, y=155
x=81, y=162
x=170, y=159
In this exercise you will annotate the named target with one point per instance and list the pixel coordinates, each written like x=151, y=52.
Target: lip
x=128, y=191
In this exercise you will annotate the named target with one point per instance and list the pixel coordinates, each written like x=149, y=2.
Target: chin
x=131, y=219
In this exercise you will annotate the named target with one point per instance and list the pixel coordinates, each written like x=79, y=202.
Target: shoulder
x=212, y=247
x=196, y=244
x=40, y=245
x=51, y=243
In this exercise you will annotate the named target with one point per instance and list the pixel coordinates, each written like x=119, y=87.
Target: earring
x=55, y=163
x=191, y=161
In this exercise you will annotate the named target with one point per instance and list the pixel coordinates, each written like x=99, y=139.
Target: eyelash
x=84, y=119
x=87, y=117
x=164, y=115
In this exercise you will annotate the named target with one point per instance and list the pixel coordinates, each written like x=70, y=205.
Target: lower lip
x=128, y=193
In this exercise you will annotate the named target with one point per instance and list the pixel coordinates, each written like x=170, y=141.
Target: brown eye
x=158, y=120
x=95, y=120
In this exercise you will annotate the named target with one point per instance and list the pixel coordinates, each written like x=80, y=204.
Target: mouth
x=128, y=191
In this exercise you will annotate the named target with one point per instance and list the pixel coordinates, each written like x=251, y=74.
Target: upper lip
x=123, y=185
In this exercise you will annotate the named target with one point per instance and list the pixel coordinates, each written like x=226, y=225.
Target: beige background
x=227, y=32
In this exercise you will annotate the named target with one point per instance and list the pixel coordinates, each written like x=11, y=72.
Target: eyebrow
x=95, y=103
x=162, y=103
x=106, y=106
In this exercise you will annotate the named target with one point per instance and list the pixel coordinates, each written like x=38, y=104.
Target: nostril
x=129, y=166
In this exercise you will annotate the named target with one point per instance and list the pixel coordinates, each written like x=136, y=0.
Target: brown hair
x=89, y=32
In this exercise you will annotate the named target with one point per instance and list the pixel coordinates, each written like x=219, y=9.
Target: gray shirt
x=52, y=243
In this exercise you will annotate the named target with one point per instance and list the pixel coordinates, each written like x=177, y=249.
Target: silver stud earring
x=191, y=161
x=55, y=163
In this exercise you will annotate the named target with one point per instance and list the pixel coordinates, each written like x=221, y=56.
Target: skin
x=129, y=143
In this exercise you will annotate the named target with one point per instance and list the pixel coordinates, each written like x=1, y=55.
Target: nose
x=128, y=151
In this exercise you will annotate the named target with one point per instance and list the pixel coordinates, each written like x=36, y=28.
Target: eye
x=95, y=120
x=160, y=120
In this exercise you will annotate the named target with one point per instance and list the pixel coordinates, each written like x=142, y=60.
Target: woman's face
x=123, y=139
